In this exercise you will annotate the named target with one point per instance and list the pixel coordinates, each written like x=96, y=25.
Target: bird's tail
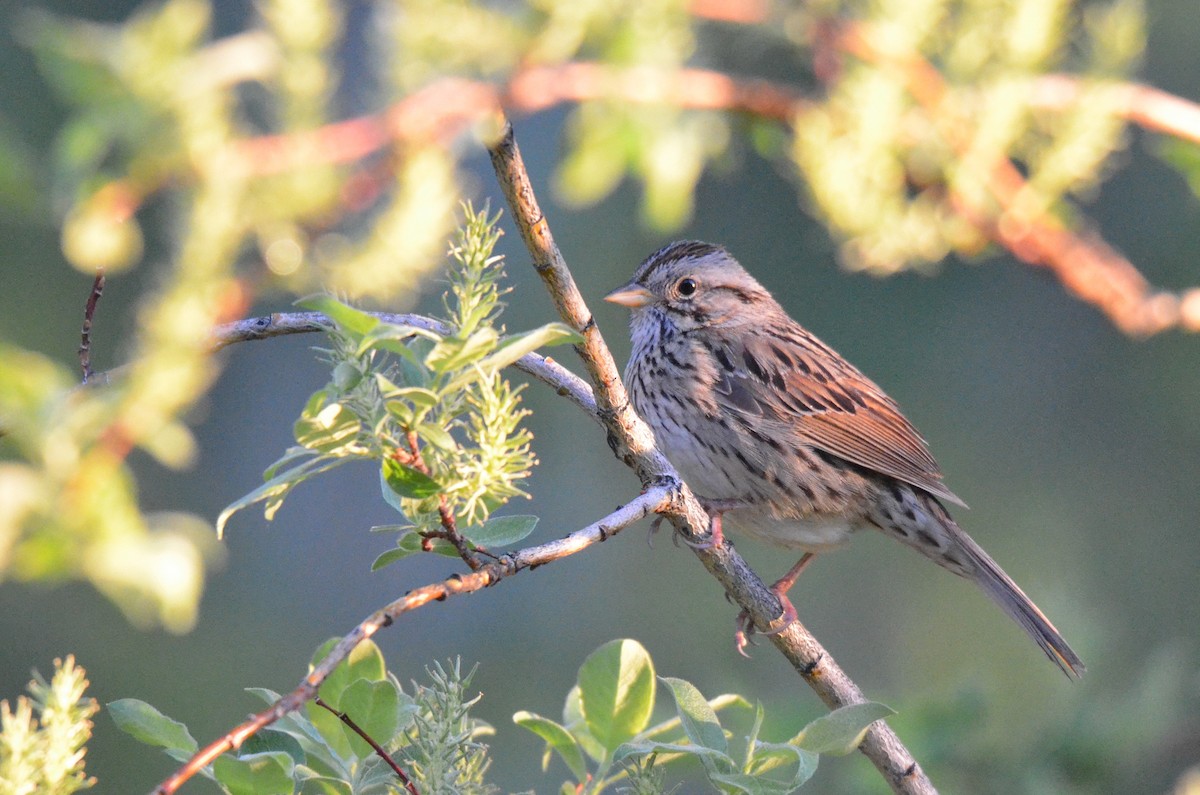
x=1000, y=588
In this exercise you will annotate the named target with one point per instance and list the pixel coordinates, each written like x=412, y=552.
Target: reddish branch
x=379, y=750
x=449, y=532
x=1083, y=261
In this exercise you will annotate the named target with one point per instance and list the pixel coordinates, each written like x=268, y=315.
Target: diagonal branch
x=633, y=443
x=489, y=574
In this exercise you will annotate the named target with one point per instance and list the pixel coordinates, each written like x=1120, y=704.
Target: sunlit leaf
x=616, y=687
x=557, y=738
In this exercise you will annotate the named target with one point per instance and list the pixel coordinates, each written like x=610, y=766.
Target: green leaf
x=365, y=661
x=576, y=724
x=261, y=774
x=616, y=688
x=438, y=437
x=276, y=489
x=453, y=353
x=390, y=557
x=413, y=543
x=346, y=375
x=500, y=531
x=700, y=722
x=394, y=338
x=709, y=757
x=769, y=756
x=325, y=785
x=842, y=730
x=558, y=738
x=333, y=430
x=418, y=396
x=273, y=741
x=375, y=708
x=516, y=346
x=408, y=482
x=146, y=724
x=353, y=321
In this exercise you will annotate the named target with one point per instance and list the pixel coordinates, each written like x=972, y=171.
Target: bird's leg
x=745, y=625
x=715, y=509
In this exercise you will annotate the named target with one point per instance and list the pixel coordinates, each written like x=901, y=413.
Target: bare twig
x=632, y=441
x=379, y=750
x=487, y=575
x=89, y=313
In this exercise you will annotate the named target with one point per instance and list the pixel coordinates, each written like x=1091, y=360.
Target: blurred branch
x=633, y=442
x=1145, y=106
x=489, y=574
x=1083, y=261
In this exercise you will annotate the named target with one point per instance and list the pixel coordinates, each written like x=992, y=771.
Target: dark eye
x=686, y=287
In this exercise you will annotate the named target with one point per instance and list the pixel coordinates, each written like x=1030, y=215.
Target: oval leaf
x=699, y=719
x=375, y=708
x=351, y=320
x=500, y=531
x=616, y=688
x=556, y=737
x=408, y=482
x=842, y=730
x=146, y=724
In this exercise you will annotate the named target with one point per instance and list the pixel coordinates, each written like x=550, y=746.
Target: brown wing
x=803, y=387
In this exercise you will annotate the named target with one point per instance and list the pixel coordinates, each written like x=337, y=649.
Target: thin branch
x=633, y=442
x=379, y=750
x=488, y=575
x=449, y=530
x=565, y=383
x=89, y=313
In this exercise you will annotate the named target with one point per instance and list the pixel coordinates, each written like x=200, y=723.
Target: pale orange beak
x=631, y=295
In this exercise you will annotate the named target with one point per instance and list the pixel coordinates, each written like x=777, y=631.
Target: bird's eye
x=686, y=287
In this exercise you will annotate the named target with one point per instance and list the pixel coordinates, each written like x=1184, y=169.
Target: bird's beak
x=631, y=295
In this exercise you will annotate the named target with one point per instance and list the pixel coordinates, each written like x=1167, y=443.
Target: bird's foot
x=746, y=629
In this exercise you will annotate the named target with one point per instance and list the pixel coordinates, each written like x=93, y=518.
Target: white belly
x=818, y=534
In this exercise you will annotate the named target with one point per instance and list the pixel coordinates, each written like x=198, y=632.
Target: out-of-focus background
x=1077, y=447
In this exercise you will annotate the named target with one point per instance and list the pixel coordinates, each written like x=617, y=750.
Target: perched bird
x=781, y=436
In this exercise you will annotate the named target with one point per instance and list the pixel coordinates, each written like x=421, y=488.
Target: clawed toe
x=746, y=630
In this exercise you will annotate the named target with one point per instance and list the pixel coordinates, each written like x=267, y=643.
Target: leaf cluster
x=428, y=731
x=427, y=404
x=606, y=739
